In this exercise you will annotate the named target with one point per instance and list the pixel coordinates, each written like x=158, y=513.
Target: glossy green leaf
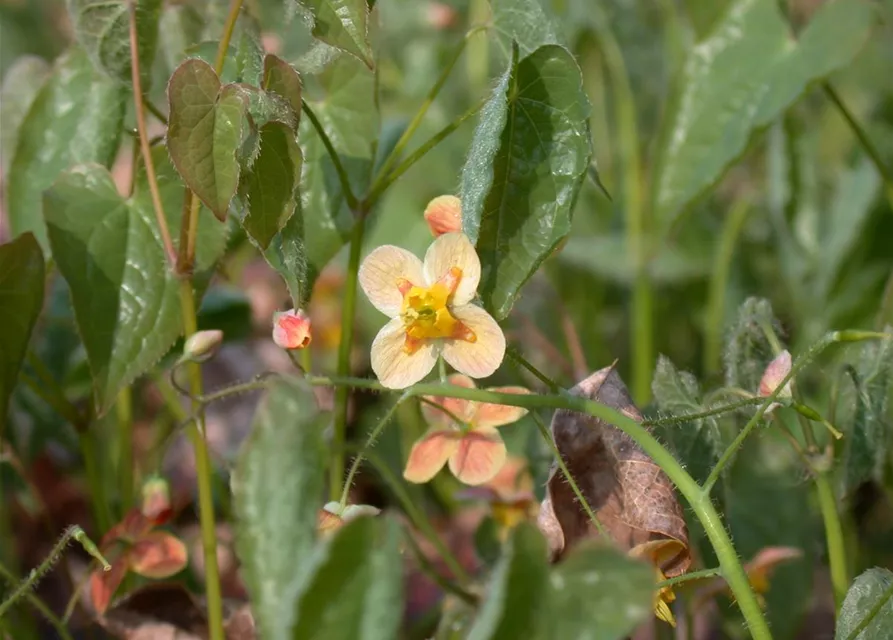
x=282, y=79
x=527, y=22
x=867, y=438
x=870, y=594
x=270, y=188
x=527, y=161
x=517, y=593
x=598, y=593
x=75, y=118
x=205, y=133
x=21, y=298
x=343, y=24
x=356, y=590
x=102, y=27
x=124, y=295
x=741, y=78
x=21, y=83
x=277, y=492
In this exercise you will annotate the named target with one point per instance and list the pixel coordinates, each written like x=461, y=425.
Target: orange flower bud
x=156, y=500
x=774, y=374
x=444, y=215
x=291, y=330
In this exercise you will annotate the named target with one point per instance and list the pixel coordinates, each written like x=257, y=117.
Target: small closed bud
x=775, y=372
x=202, y=345
x=291, y=330
x=156, y=504
x=444, y=215
x=442, y=16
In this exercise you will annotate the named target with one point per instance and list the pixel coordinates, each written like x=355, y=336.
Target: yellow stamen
x=425, y=314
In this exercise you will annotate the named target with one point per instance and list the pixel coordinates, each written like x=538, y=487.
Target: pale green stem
x=101, y=508
x=342, y=394
x=547, y=437
x=680, y=419
x=515, y=355
x=834, y=535
x=38, y=604
x=124, y=415
x=228, y=29
x=336, y=159
x=719, y=278
x=691, y=575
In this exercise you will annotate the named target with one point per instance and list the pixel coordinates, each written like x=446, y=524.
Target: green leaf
x=526, y=22
x=270, y=189
x=343, y=24
x=287, y=254
x=277, y=492
x=598, y=593
x=697, y=444
x=22, y=81
x=356, y=590
x=747, y=350
x=868, y=439
x=102, y=27
x=738, y=80
x=179, y=29
x=869, y=594
x=205, y=133
x=527, y=161
x=518, y=589
x=249, y=57
x=75, y=118
x=282, y=79
x=21, y=298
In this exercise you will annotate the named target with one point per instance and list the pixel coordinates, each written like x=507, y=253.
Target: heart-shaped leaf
x=22, y=82
x=282, y=79
x=21, y=298
x=75, y=118
x=526, y=22
x=356, y=590
x=102, y=27
x=527, y=161
x=205, y=133
x=277, y=492
x=741, y=78
x=270, y=189
x=343, y=24
x=869, y=598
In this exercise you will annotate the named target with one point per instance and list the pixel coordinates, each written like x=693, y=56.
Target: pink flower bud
x=774, y=374
x=444, y=215
x=291, y=330
x=202, y=345
x=156, y=500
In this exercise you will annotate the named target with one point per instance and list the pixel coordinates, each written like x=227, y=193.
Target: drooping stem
x=38, y=604
x=370, y=442
x=342, y=394
x=34, y=576
x=124, y=415
x=547, y=437
x=834, y=538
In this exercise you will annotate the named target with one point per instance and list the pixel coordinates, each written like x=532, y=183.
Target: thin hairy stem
x=38, y=604
x=336, y=159
x=688, y=417
x=691, y=575
x=515, y=355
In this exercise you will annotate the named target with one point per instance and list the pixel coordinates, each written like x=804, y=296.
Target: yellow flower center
x=425, y=313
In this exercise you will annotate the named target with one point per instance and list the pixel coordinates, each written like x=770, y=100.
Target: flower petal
x=429, y=454
x=460, y=408
x=497, y=415
x=482, y=357
x=454, y=250
x=444, y=215
x=382, y=270
x=103, y=584
x=394, y=367
x=479, y=457
x=158, y=555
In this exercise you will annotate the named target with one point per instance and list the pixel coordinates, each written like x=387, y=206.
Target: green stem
x=872, y=613
x=700, y=503
x=584, y=503
x=124, y=414
x=691, y=575
x=342, y=394
x=50, y=392
x=418, y=154
x=101, y=508
x=203, y=471
x=34, y=576
x=228, y=29
x=515, y=355
x=336, y=159
x=370, y=442
x=834, y=536
x=680, y=419
x=417, y=517
x=719, y=278
x=38, y=604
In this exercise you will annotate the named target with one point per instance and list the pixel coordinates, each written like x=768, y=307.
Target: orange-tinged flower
x=509, y=493
x=444, y=215
x=774, y=374
x=135, y=546
x=430, y=311
x=332, y=516
x=463, y=435
x=291, y=329
x=658, y=553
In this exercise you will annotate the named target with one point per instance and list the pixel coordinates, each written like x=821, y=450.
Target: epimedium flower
x=444, y=215
x=291, y=329
x=658, y=553
x=429, y=304
x=509, y=494
x=463, y=435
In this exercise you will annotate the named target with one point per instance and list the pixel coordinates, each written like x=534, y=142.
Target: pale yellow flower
x=429, y=304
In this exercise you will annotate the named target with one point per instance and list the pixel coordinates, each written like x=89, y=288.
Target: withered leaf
x=631, y=496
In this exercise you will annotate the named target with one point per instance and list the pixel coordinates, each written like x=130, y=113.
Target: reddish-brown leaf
x=103, y=584
x=133, y=526
x=631, y=496
x=157, y=555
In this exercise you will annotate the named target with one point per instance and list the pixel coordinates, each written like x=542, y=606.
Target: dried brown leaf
x=631, y=496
